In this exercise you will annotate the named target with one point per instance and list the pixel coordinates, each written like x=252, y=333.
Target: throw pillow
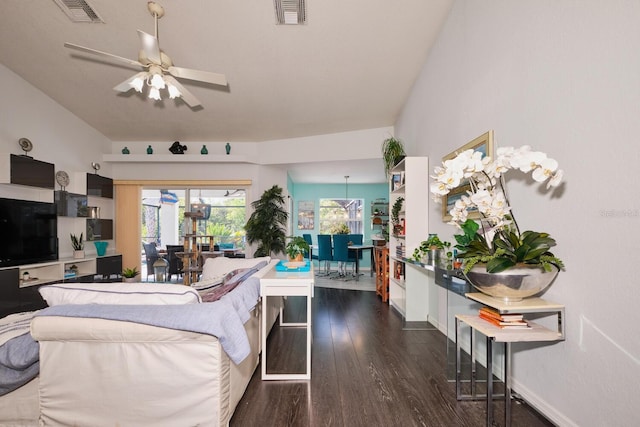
x=119, y=293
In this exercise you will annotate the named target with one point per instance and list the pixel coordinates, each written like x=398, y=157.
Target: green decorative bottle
x=125, y=150
x=228, y=148
x=204, y=150
x=149, y=149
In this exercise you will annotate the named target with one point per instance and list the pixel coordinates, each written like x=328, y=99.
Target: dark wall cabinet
x=34, y=173
x=99, y=229
x=99, y=186
x=70, y=204
x=109, y=265
x=13, y=298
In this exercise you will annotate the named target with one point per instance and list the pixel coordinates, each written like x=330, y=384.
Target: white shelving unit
x=408, y=291
x=54, y=271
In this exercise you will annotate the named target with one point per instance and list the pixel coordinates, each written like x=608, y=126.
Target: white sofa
x=98, y=372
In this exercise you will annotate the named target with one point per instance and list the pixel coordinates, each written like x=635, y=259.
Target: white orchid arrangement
x=488, y=195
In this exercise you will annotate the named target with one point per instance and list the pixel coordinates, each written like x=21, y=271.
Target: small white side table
x=535, y=333
x=285, y=283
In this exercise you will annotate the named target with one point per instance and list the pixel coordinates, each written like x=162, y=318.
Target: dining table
x=357, y=249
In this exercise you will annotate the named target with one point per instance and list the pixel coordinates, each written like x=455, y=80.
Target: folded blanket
x=223, y=319
x=19, y=353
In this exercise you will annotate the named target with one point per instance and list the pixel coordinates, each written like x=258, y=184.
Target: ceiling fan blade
x=187, y=96
x=125, y=86
x=150, y=47
x=201, y=76
x=105, y=54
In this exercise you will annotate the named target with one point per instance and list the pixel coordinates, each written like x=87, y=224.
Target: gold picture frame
x=484, y=144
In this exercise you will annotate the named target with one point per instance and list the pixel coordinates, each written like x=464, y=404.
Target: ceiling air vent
x=78, y=11
x=290, y=12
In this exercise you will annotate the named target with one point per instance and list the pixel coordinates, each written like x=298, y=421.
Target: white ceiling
x=350, y=67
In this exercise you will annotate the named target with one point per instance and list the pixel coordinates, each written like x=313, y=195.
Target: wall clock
x=62, y=178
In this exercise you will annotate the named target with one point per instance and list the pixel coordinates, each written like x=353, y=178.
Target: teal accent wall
x=315, y=192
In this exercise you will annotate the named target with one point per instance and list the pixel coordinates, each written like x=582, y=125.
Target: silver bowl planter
x=513, y=284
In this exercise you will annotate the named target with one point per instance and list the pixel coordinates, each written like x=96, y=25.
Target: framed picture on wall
x=483, y=144
x=306, y=215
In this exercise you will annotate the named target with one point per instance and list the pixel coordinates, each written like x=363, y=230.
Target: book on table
x=490, y=312
x=510, y=324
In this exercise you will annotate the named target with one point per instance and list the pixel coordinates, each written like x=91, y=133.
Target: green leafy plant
x=296, y=246
x=130, y=273
x=392, y=153
x=508, y=248
x=395, y=210
x=267, y=223
x=432, y=243
x=77, y=242
x=395, y=215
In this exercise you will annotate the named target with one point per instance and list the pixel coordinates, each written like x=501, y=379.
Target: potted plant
x=496, y=247
x=297, y=248
x=78, y=245
x=129, y=274
x=395, y=216
x=432, y=249
x=266, y=225
x=392, y=153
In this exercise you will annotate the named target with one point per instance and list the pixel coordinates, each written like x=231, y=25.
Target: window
x=163, y=219
x=336, y=213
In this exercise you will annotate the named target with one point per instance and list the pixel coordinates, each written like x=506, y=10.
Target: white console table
x=286, y=283
x=535, y=333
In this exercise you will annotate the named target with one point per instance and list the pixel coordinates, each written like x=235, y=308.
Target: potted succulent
x=129, y=274
x=297, y=248
x=78, y=245
x=495, y=247
x=392, y=153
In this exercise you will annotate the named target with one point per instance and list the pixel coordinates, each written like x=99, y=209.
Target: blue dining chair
x=307, y=238
x=325, y=253
x=356, y=239
x=341, y=253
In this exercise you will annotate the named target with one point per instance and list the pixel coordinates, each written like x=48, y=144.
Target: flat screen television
x=29, y=232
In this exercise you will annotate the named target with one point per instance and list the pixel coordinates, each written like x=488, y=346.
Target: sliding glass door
x=163, y=219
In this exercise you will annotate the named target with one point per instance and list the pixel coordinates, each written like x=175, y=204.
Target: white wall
x=563, y=77
x=58, y=137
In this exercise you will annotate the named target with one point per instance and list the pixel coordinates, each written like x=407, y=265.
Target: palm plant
x=267, y=223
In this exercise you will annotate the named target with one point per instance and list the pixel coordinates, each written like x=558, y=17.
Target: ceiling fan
x=158, y=69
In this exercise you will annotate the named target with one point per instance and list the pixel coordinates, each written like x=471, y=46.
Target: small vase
x=227, y=148
x=204, y=150
x=149, y=149
x=78, y=254
x=125, y=150
x=101, y=248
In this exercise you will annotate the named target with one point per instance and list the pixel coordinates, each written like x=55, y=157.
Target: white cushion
x=218, y=267
x=119, y=293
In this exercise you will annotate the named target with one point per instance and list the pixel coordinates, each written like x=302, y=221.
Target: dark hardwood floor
x=366, y=371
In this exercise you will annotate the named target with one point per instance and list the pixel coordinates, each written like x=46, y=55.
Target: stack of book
x=510, y=321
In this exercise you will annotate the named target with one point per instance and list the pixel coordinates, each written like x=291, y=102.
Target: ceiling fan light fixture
x=137, y=83
x=173, y=91
x=157, y=81
x=154, y=93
